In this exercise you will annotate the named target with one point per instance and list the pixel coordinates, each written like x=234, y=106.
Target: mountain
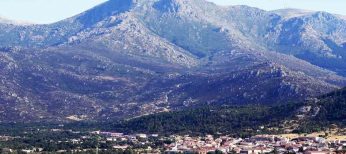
x=318, y=38
x=127, y=58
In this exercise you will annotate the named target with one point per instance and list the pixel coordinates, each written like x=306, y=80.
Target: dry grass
x=332, y=135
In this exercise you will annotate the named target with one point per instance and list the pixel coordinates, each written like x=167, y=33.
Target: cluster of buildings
x=148, y=143
x=142, y=143
x=258, y=144
x=116, y=137
x=255, y=145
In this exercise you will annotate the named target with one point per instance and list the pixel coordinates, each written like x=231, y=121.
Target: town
x=114, y=142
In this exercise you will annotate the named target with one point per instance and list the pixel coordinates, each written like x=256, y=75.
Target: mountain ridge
x=128, y=58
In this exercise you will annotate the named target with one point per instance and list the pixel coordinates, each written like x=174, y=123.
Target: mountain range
x=127, y=58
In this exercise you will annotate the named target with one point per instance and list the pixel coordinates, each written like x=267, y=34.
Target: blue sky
x=48, y=11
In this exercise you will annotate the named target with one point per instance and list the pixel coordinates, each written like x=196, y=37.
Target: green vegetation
x=210, y=120
x=332, y=112
x=242, y=120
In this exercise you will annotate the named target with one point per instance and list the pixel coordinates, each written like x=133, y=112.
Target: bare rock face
x=127, y=58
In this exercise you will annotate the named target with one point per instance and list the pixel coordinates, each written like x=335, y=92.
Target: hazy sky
x=47, y=11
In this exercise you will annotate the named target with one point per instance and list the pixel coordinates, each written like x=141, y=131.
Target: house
x=260, y=150
x=111, y=139
x=142, y=136
x=95, y=132
x=117, y=134
x=61, y=151
x=122, y=147
x=317, y=152
x=75, y=141
x=343, y=143
x=27, y=151
x=263, y=138
x=246, y=151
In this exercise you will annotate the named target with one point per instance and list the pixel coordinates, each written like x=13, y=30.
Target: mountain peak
x=167, y=6
x=109, y=8
x=176, y=5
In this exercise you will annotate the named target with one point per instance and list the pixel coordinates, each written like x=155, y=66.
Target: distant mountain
x=126, y=58
x=292, y=13
x=11, y=22
x=318, y=38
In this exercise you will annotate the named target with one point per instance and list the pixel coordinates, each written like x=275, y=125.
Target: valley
x=174, y=76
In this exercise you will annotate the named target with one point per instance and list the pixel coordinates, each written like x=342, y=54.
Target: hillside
x=310, y=116
x=128, y=58
x=313, y=115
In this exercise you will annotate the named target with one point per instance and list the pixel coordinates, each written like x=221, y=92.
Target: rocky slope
x=126, y=58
